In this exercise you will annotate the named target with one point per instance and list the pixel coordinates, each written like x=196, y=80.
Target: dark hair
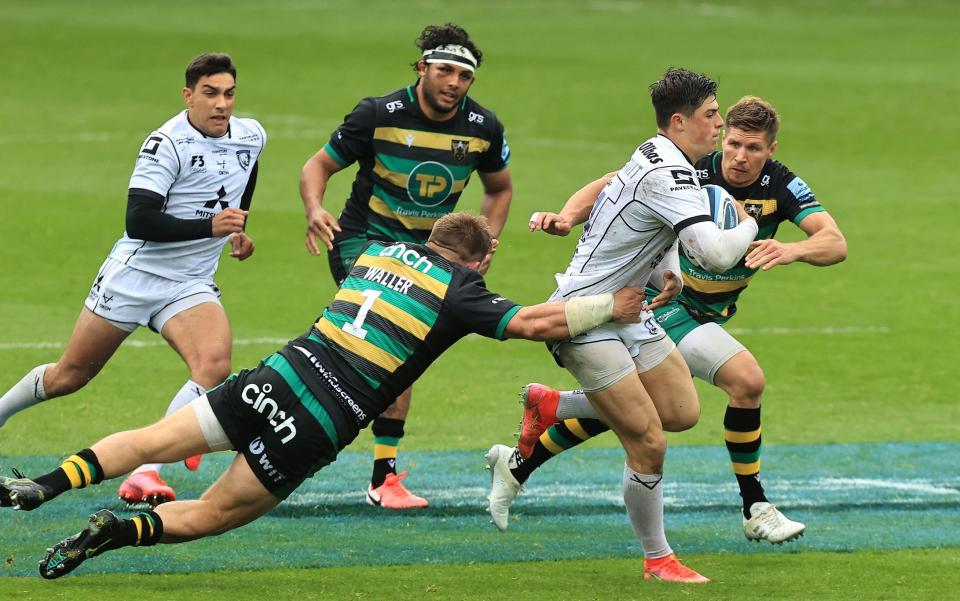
x=465, y=234
x=209, y=63
x=434, y=36
x=680, y=91
x=751, y=113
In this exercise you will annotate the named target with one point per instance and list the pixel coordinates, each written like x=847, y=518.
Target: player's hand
x=242, y=246
x=628, y=303
x=671, y=288
x=767, y=254
x=228, y=221
x=485, y=264
x=321, y=225
x=742, y=214
x=551, y=223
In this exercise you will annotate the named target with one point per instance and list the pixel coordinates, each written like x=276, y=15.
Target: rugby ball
x=722, y=207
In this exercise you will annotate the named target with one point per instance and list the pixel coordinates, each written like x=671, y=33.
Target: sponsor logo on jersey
x=429, y=183
x=256, y=397
x=407, y=256
x=475, y=118
x=197, y=163
x=683, y=178
x=460, y=148
x=703, y=175
x=800, y=189
x=223, y=168
x=410, y=138
x=765, y=181
x=394, y=106
x=333, y=385
x=209, y=207
x=249, y=137
x=648, y=150
x=505, y=151
x=243, y=157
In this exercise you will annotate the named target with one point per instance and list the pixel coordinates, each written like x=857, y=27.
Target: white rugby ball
x=722, y=207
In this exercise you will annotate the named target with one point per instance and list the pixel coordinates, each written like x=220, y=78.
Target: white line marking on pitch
x=825, y=331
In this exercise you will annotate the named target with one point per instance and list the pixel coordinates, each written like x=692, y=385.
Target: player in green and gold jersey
x=417, y=148
x=771, y=194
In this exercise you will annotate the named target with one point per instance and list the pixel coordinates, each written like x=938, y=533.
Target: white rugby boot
x=503, y=486
x=768, y=523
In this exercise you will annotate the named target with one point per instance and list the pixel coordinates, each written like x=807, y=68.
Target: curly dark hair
x=434, y=36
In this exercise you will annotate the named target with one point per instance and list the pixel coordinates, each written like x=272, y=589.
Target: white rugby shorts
x=129, y=298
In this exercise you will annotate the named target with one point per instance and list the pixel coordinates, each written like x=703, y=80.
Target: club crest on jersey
x=243, y=157
x=753, y=208
x=460, y=149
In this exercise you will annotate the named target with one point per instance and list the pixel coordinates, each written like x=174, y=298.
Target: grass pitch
x=857, y=353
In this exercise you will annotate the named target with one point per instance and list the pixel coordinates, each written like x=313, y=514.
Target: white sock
x=184, y=396
x=24, y=394
x=643, y=496
x=575, y=404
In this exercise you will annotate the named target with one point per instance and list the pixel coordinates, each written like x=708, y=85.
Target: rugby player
x=771, y=193
x=189, y=194
x=399, y=308
x=417, y=148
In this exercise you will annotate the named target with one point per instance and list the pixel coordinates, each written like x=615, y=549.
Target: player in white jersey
x=188, y=195
x=632, y=374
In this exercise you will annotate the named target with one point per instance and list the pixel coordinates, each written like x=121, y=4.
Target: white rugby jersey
x=199, y=176
x=635, y=221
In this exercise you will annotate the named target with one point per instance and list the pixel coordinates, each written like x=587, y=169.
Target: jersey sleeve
x=497, y=157
x=157, y=167
x=796, y=199
x=479, y=310
x=674, y=196
x=354, y=138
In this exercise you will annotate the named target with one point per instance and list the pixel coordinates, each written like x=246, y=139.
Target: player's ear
x=676, y=121
x=187, y=95
x=773, y=147
x=421, y=67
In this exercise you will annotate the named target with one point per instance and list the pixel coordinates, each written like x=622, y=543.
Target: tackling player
x=399, y=308
x=191, y=187
x=417, y=148
x=772, y=194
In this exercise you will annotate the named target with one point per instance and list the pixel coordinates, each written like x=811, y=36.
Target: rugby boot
x=539, y=413
x=193, y=463
x=503, y=486
x=146, y=487
x=21, y=493
x=68, y=554
x=669, y=569
x=392, y=494
x=768, y=523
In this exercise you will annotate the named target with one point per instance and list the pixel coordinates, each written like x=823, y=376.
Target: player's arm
x=574, y=212
x=147, y=221
x=559, y=320
x=824, y=245
x=497, y=194
x=314, y=176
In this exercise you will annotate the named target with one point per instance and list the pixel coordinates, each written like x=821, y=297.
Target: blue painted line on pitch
x=852, y=497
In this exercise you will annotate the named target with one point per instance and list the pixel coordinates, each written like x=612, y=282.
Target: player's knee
x=212, y=371
x=748, y=387
x=683, y=418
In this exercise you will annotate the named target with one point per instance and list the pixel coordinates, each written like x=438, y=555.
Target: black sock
x=560, y=437
x=142, y=530
x=742, y=436
x=387, y=433
x=77, y=471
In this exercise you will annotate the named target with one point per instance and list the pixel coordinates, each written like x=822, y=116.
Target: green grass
x=866, y=91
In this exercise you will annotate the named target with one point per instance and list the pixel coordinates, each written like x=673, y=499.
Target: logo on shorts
x=258, y=449
x=267, y=406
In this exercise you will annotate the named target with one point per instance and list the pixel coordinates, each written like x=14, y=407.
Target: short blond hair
x=465, y=234
x=752, y=113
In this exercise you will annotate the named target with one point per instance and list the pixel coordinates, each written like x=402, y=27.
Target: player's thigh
x=399, y=408
x=707, y=348
x=672, y=391
x=239, y=496
x=201, y=334
x=92, y=343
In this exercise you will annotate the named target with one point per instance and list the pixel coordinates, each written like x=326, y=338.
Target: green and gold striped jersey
x=778, y=195
x=412, y=169
x=400, y=307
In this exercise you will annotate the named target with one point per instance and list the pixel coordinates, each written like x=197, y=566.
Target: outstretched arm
x=558, y=320
x=825, y=245
x=574, y=212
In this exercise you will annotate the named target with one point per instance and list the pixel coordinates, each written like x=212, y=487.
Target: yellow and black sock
x=77, y=471
x=741, y=431
x=555, y=440
x=142, y=530
x=387, y=433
